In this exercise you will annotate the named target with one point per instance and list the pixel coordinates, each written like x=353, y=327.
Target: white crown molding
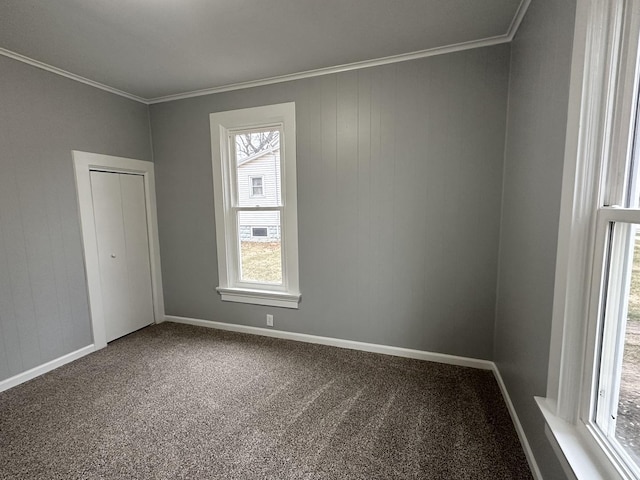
x=517, y=19
x=72, y=76
x=430, y=52
x=485, y=42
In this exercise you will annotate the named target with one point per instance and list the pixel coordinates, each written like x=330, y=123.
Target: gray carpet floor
x=174, y=401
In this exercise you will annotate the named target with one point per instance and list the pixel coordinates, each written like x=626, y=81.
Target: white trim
x=577, y=457
x=226, y=199
x=531, y=459
x=338, y=342
x=44, y=368
x=385, y=350
x=403, y=57
x=517, y=19
x=591, y=88
x=83, y=163
x=604, y=46
x=259, y=297
x=430, y=52
x=315, y=339
x=72, y=76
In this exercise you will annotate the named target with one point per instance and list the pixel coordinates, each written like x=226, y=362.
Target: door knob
x=113, y=255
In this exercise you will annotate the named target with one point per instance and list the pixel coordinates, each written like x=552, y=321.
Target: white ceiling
x=157, y=48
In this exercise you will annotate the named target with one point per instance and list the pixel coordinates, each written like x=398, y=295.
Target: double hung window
x=612, y=404
x=256, y=226
x=592, y=406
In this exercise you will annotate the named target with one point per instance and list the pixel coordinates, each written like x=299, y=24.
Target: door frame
x=83, y=164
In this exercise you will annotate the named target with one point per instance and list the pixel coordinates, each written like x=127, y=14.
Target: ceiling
x=154, y=49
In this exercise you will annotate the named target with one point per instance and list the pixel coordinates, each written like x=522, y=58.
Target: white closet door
x=123, y=251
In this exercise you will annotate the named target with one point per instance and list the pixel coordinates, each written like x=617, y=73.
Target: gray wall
x=399, y=186
x=538, y=100
x=43, y=117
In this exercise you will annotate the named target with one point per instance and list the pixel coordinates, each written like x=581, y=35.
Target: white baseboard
x=337, y=342
x=303, y=337
x=533, y=465
x=387, y=350
x=47, y=367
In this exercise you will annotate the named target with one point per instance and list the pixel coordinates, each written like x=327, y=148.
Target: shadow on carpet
x=179, y=402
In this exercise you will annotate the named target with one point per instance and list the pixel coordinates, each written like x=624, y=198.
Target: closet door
x=123, y=251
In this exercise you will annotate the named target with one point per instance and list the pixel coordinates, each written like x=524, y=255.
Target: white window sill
x=259, y=297
x=572, y=450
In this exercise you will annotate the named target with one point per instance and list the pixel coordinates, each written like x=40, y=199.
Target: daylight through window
x=255, y=200
x=614, y=411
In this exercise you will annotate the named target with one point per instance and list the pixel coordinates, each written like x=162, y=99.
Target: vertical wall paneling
x=10, y=357
x=43, y=294
x=363, y=226
x=39, y=256
x=17, y=273
x=327, y=240
x=399, y=180
x=310, y=166
x=346, y=212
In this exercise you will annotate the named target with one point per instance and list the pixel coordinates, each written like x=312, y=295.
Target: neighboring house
x=259, y=185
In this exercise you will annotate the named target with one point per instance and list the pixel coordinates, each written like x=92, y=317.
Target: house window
x=252, y=148
x=256, y=185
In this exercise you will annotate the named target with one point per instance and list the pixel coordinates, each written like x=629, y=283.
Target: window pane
x=628, y=419
x=260, y=247
x=257, y=160
x=618, y=399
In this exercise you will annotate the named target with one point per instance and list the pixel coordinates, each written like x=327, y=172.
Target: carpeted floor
x=173, y=401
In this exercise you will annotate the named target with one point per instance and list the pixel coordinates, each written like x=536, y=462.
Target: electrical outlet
x=269, y=320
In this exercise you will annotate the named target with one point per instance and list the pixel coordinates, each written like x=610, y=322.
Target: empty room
x=293, y=239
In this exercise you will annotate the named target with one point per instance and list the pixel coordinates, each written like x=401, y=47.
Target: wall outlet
x=269, y=320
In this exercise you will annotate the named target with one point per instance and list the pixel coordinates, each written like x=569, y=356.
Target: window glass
x=256, y=187
x=257, y=161
x=617, y=413
x=255, y=201
x=260, y=255
x=259, y=231
x=627, y=429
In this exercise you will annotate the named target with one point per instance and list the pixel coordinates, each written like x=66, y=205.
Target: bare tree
x=248, y=144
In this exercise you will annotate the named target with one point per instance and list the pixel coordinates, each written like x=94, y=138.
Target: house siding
x=268, y=168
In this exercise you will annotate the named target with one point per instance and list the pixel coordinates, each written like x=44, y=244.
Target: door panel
x=123, y=252
x=137, y=251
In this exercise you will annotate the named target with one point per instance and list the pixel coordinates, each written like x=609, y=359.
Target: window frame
x=602, y=112
x=231, y=288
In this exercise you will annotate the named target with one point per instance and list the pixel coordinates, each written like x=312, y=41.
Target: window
x=256, y=186
x=616, y=390
x=593, y=395
x=252, y=148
